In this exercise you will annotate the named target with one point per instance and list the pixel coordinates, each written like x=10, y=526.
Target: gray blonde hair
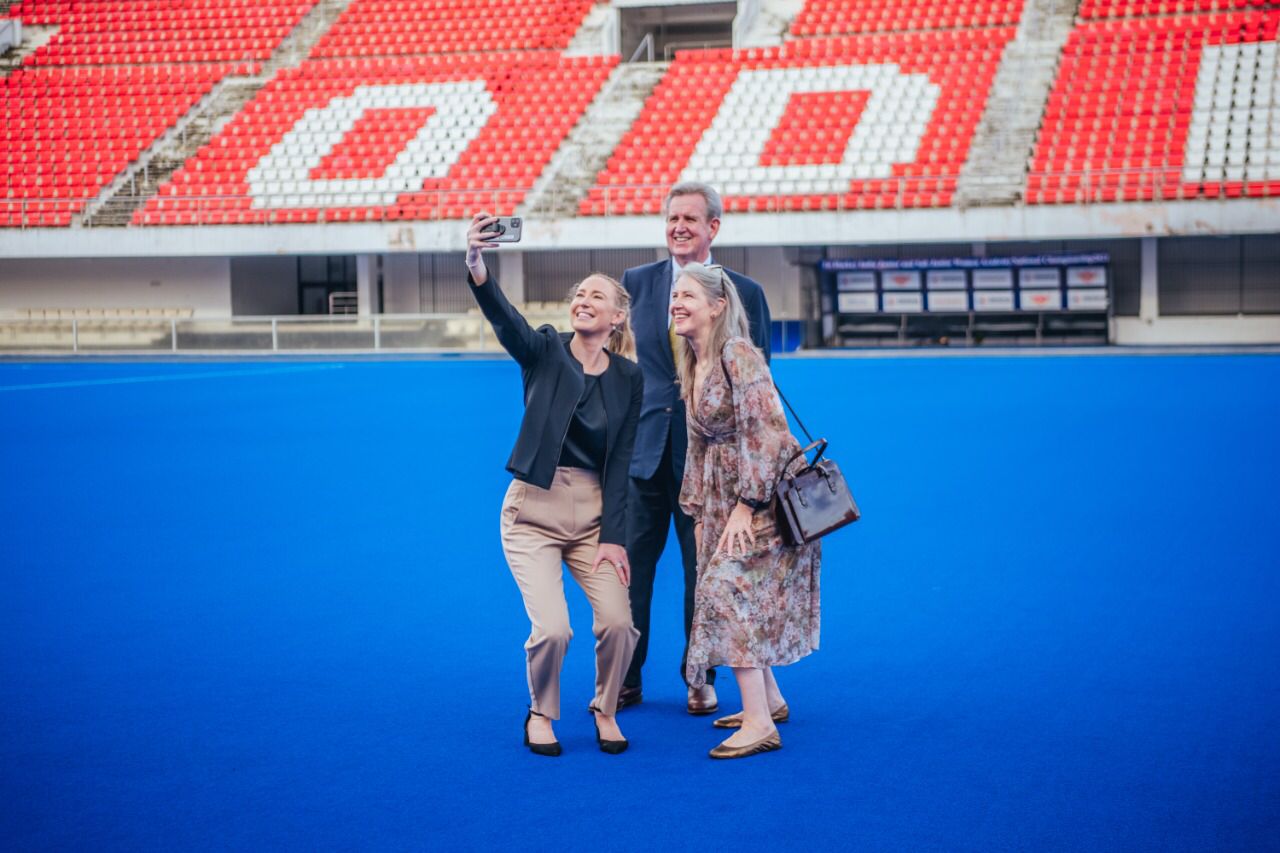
x=622, y=340
x=715, y=207
x=731, y=323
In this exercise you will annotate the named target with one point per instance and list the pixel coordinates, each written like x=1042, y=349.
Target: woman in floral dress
x=756, y=601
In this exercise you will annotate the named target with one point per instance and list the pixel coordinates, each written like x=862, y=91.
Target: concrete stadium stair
x=573, y=170
x=996, y=170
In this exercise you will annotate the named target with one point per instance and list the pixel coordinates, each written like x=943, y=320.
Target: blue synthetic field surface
x=263, y=606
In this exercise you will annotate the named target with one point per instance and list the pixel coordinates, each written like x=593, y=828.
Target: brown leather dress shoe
x=768, y=743
x=702, y=700
x=629, y=696
x=734, y=721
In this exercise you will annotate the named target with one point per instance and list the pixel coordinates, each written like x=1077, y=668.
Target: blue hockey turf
x=263, y=606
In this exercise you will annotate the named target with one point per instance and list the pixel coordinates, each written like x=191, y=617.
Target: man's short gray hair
x=715, y=207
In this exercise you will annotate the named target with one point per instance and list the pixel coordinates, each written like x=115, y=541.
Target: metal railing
x=645, y=47
x=282, y=334
x=10, y=32
x=892, y=193
x=344, y=302
x=669, y=49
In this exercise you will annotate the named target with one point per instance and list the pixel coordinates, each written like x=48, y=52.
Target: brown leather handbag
x=815, y=500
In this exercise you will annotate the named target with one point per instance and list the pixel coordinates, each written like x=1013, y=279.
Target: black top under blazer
x=553, y=385
x=663, y=410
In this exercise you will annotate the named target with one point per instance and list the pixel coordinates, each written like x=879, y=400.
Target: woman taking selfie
x=567, y=501
x=756, y=601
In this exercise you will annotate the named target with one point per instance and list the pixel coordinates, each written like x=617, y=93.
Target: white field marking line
x=168, y=377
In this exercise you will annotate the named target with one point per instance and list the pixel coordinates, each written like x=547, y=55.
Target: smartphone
x=506, y=229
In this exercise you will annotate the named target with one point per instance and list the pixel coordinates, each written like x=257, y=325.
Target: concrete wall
x=264, y=286
x=401, y=287
x=780, y=280
x=200, y=284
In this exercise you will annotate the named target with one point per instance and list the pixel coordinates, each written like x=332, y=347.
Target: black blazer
x=553, y=385
x=663, y=411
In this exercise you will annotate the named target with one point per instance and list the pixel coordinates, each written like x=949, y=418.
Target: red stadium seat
x=336, y=140
x=419, y=27
x=1140, y=8
x=139, y=32
x=67, y=132
x=826, y=103
x=836, y=17
x=1169, y=107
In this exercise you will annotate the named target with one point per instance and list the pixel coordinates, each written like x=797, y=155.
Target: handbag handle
x=820, y=444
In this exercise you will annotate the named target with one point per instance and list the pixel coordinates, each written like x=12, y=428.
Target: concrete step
x=598, y=35
x=573, y=170
x=34, y=37
x=995, y=171
x=771, y=24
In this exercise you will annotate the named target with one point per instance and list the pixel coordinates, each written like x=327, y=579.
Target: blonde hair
x=731, y=323
x=622, y=340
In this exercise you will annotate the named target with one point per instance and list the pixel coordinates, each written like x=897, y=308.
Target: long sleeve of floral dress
x=759, y=608
x=691, y=497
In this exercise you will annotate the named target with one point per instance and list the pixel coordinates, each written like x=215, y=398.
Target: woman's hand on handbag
x=616, y=556
x=737, y=536
x=476, y=243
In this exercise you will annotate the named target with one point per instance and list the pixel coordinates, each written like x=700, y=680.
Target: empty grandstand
x=262, y=140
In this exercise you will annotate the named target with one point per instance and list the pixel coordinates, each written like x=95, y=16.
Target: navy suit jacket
x=662, y=412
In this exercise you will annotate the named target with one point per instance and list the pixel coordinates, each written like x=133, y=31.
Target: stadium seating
x=424, y=109
x=414, y=27
x=1136, y=8
x=133, y=32
x=836, y=17
x=66, y=132
x=365, y=140
x=1163, y=108
x=818, y=124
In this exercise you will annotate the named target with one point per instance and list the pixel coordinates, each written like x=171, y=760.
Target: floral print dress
x=761, y=608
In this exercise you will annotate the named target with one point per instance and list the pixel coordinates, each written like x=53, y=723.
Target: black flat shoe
x=552, y=749
x=613, y=747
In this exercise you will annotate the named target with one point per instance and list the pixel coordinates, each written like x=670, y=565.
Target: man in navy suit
x=693, y=212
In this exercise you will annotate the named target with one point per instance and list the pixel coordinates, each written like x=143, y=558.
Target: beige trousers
x=542, y=529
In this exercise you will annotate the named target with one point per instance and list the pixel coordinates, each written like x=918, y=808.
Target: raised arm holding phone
x=567, y=502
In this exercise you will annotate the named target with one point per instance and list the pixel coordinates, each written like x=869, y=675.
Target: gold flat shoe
x=734, y=721
x=768, y=743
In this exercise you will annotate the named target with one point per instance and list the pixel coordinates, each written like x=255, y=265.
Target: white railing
x=344, y=302
x=248, y=335
x=10, y=33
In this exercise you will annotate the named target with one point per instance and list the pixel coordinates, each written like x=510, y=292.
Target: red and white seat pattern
x=408, y=27
x=1174, y=107
x=133, y=32
x=820, y=124
x=835, y=17
x=65, y=133
x=366, y=140
x=1137, y=8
